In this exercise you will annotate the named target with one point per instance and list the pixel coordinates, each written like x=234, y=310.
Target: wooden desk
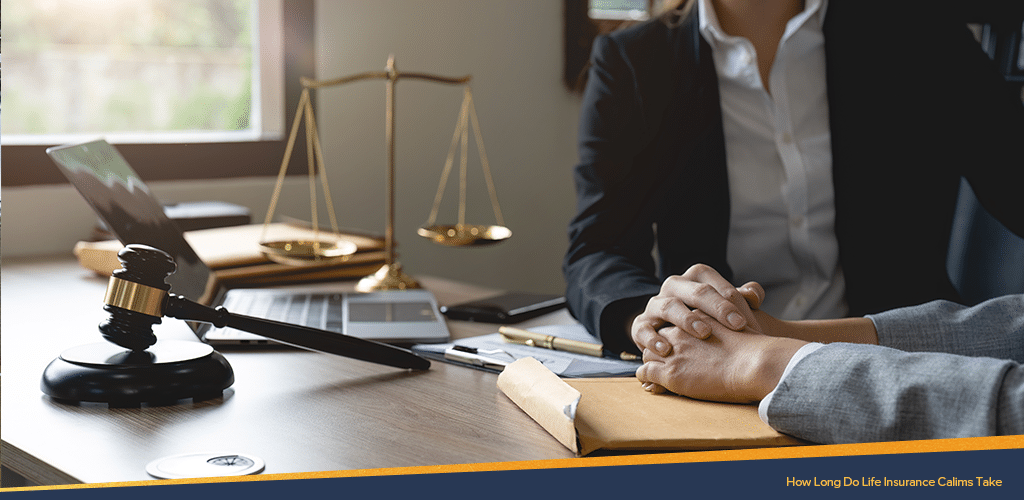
x=299, y=411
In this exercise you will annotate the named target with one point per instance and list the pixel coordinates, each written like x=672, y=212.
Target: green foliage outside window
x=98, y=66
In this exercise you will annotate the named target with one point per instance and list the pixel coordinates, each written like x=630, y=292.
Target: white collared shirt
x=779, y=162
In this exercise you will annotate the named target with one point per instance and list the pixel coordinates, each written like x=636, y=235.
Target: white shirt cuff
x=762, y=409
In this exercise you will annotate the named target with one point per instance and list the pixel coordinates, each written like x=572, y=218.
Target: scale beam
x=390, y=276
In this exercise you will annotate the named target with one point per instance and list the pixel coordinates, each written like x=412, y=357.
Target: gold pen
x=520, y=336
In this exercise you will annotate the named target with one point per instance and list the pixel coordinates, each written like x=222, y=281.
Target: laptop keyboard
x=322, y=311
x=412, y=318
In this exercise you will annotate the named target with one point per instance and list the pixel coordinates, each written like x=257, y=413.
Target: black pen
x=471, y=356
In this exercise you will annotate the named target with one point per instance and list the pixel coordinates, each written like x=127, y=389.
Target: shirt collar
x=712, y=31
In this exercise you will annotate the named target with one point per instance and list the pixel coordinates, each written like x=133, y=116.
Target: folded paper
x=616, y=414
x=544, y=397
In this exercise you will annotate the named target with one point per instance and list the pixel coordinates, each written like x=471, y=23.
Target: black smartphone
x=506, y=308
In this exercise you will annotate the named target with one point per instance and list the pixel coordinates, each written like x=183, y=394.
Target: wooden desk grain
x=299, y=411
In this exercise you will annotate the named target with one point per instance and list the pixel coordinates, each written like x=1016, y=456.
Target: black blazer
x=914, y=104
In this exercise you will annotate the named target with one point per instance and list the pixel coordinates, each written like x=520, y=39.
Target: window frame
x=29, y=165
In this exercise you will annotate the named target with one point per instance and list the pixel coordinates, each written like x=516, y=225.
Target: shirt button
x=787, y=138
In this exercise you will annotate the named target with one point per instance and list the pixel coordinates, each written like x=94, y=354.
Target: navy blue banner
x=967, y=474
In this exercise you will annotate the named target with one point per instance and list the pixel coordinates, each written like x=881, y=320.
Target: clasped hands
x=703, y=338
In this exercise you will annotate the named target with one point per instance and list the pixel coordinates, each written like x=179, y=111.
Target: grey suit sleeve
x=963, y=378
x=994, y=328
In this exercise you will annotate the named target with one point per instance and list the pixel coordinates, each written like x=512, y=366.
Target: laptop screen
x=126, y=205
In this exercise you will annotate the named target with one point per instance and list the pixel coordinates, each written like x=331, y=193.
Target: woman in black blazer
x=914, y=105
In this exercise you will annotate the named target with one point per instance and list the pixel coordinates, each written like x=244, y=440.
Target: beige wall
x=528, y=121
x=513, y=50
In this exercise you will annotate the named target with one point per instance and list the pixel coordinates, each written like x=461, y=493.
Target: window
x=175, y=68
x=623, y=10
x=186, y=88
x=585, y=19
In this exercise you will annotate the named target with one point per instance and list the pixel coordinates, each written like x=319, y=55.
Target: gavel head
x=135, y=296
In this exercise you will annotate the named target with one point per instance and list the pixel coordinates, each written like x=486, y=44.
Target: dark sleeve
x=990, y=155
x=986, y=11
x=608, y=268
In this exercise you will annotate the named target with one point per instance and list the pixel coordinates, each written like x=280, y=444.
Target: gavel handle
x=296, y=335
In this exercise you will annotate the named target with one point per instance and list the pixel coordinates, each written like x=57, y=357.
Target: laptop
x=134, y=215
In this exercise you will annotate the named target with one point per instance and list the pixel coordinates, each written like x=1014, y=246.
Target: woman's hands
x=738, y=367
x=703, y=338
x=692, y=303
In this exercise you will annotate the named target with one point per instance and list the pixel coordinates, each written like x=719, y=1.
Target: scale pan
x=461, y=235
x=307, y=252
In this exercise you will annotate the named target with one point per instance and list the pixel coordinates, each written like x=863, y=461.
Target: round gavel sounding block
x=132, y=367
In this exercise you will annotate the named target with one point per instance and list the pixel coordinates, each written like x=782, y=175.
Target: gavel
x=137, y=298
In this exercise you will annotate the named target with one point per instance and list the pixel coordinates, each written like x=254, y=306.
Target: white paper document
x=494, y=352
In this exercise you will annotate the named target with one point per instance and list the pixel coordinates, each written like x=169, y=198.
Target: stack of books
x=235, y=256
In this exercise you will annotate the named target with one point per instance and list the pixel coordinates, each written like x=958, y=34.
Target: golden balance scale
x=323, y=249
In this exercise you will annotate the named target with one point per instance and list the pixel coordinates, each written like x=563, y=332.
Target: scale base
x=388, y=277
x=167, y=372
